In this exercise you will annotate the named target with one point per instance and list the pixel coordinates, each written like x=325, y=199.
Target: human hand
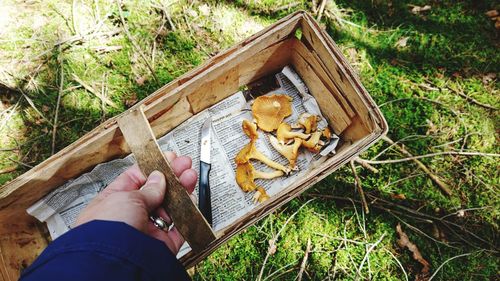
x=131, y=198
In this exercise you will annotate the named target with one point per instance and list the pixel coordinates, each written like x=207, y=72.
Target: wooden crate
x=344, y=102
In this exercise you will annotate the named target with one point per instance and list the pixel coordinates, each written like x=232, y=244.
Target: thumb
x=153, y=191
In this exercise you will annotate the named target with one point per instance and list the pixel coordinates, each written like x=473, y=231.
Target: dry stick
x=8, y=169
x=471, y=99
x=275, y=239
x=366, y=165
x=357, y=183
x=93, y=91
x=444, y=187
x=131, y=39
x=321, y=9
x=20, y=163
x=304, y=261
x=367, y=253
x=463, y=95
x=284, y=7
x=30, y=102
x=450, y=259
x=56, y=115
x=461, y=153
x=398, y=262
x=381, y=204
x=314, y=7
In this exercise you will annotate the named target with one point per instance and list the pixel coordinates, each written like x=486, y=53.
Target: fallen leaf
x=140, y=80
x=131, y=100
x=402, y=42
x=46, y=108
x=404, y=242
x=417, y=9
x=487, y=78
x=491, y=13
x=398, y=196
x=272, y=247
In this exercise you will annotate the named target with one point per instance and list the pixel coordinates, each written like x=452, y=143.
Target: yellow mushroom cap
x=269, y=111
x=285, y=132
x=309, y=122
x=313, y=143
x=250, y=129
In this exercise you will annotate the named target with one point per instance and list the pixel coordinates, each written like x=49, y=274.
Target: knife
x=204, y=199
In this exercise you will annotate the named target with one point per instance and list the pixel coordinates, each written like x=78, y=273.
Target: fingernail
x=155, y=177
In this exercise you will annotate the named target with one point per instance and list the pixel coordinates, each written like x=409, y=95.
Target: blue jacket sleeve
x=105, y=250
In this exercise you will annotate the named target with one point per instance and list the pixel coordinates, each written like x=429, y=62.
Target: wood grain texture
x=106, y=143
x=313, y=60
x=261, y=54
x=19, y=249
x=331, y=109
x=335, y=61
x=186, y=217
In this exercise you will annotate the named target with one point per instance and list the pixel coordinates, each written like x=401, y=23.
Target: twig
x=398, y=262
x=304, y=260
x=275, y=239
x=321, y=9
x=30, y=102
x=340, y=239
x=56, y=115
x=9, y=169
x=8, y=149
x=461, y=153
x=366, y=165
x=367, y=253
x=357, y=183
x=93, y=91
x=20, y=163
x=136, y=46
x=448, y=260
x=73, y=23
x=285, y=7
x=388, y=206
x=471, y=99
x=314, y=7
x=444, y=187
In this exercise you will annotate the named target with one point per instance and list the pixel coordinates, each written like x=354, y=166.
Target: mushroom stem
x=285, y=132
x=267, y=175
x=257, y=155
x=291, y=152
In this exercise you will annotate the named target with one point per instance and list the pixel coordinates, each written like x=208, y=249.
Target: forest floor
x=431, y=66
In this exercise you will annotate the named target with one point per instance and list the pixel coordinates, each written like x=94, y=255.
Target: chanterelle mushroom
x=314, y=144
x=249, y=151
x=309, y=122
x=250, y=129
x=269, y=111
x=246, y=174
x=285, y=132
x=260, y=195
x=290, y=151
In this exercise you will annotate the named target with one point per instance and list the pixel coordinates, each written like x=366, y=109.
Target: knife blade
x=204, y=198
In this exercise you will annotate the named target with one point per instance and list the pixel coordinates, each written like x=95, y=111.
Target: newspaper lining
x=60, y=208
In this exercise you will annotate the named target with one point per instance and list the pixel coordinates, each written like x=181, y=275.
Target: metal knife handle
x=204, y=198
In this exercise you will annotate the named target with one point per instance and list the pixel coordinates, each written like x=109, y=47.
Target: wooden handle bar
x=185, y=215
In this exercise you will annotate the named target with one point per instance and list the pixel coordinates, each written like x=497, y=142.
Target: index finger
x=132, y=178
